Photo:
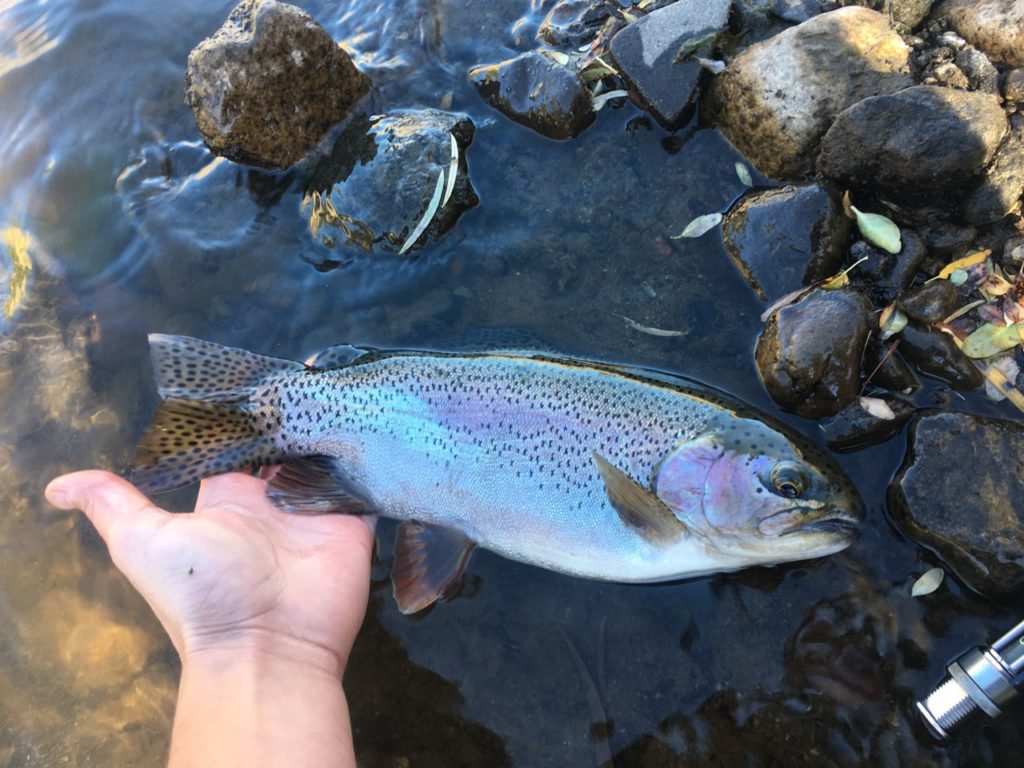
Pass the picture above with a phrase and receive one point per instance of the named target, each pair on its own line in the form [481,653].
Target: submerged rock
[924,140]
[269,83]
[382,174]
[960,494]
[655,55]
[994,26]
[782,239]
[997,192]
[536,91]
[934,353]
[777,98]
[854,428]
[574,22]
[809,353]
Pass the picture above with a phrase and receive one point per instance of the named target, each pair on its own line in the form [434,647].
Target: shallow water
[133,227]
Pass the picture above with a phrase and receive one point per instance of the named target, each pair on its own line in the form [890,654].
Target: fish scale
[580,467]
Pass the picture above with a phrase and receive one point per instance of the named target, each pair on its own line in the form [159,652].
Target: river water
[131,226]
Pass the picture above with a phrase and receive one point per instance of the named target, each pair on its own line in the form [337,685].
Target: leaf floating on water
[744,175]
[432,207]
[699,226]
[604,98]
[17,242]
[714,66]
[878,408]
[989,340]
[928,583]
[969,260]
[879,230]
[648,329]
[453,169]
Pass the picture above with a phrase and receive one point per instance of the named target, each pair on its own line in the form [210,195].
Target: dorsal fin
[193,369]
[638,507]
[429,563]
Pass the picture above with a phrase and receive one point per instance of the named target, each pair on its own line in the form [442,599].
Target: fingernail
[57,495]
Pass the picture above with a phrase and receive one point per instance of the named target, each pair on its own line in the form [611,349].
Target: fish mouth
[839,523]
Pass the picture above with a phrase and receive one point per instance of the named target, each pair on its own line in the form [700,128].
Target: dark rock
[934,353]
[799,11]
[885,367]
[853,427]
[777,98]
[536,91]
[946,240]
[998,191]
[574,22]
[923,140]
[1013,86]
[377,183]
[981,74]
[883,276]
[930,303]
[960,493]
[809,353]
[994,26]
[646,54]
[269,83]
[782,239]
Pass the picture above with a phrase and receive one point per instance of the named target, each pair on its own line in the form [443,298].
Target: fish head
[757,496]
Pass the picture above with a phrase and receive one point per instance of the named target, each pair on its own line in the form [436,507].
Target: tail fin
[190,439]
[193,369]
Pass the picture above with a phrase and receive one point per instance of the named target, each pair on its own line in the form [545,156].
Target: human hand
[237,575]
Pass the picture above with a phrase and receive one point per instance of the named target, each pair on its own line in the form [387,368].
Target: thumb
[104,498]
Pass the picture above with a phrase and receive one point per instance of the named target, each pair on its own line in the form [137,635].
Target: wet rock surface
[536,91]
[921,141]
[931,302]
[809,354]
[381,176]
[574,22]
[777,98]
[889,273]
[651,54]
[994,26]
[266,87]
[784,238]
[887,368]
[854,428]
[934,353]
[960,494]
[999,190]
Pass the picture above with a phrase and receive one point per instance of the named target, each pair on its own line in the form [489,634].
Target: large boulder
[776,99]
[654,55]
[809,353]
[269,83]
[960,493]
[994,26]
[784,238]
[995,194]
[536,91]
[382,175]
[924,140]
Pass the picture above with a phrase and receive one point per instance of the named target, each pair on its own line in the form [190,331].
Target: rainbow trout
[589,469]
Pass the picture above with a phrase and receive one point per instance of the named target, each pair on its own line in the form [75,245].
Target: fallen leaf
[784,301]
[453,169]
[893,324]
[963,310]
[650,331]
[928,583]
[744,175]
[878,230]
[988,340]
[958,277]
[561,58]
[999,380]
[967,261]
[1007,367]
[600,101]
[714,66]
[432,207]
[847,205]
[878,408]
[700,226]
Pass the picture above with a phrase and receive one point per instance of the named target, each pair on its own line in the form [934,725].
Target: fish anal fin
[429,563]
[314,485]
[638,507]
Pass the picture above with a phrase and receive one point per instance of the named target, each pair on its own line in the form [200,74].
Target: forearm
[249,707]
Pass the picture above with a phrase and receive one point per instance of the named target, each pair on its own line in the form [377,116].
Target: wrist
[260,652]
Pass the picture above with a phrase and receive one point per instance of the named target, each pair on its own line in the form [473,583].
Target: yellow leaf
[967,261]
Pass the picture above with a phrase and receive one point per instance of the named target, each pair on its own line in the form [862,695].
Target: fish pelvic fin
[313,485]
[193,369]
[429,563]
[189,440]
[638,507]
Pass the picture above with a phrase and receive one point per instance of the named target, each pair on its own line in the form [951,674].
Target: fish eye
[789,480]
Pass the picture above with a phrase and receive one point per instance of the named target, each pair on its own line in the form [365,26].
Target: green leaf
[989,340]
[700,225]
[958,276]
[878,230]
[928,583]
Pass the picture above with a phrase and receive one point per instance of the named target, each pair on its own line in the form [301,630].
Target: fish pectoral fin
[429,563]
[314,485]
[638,507]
